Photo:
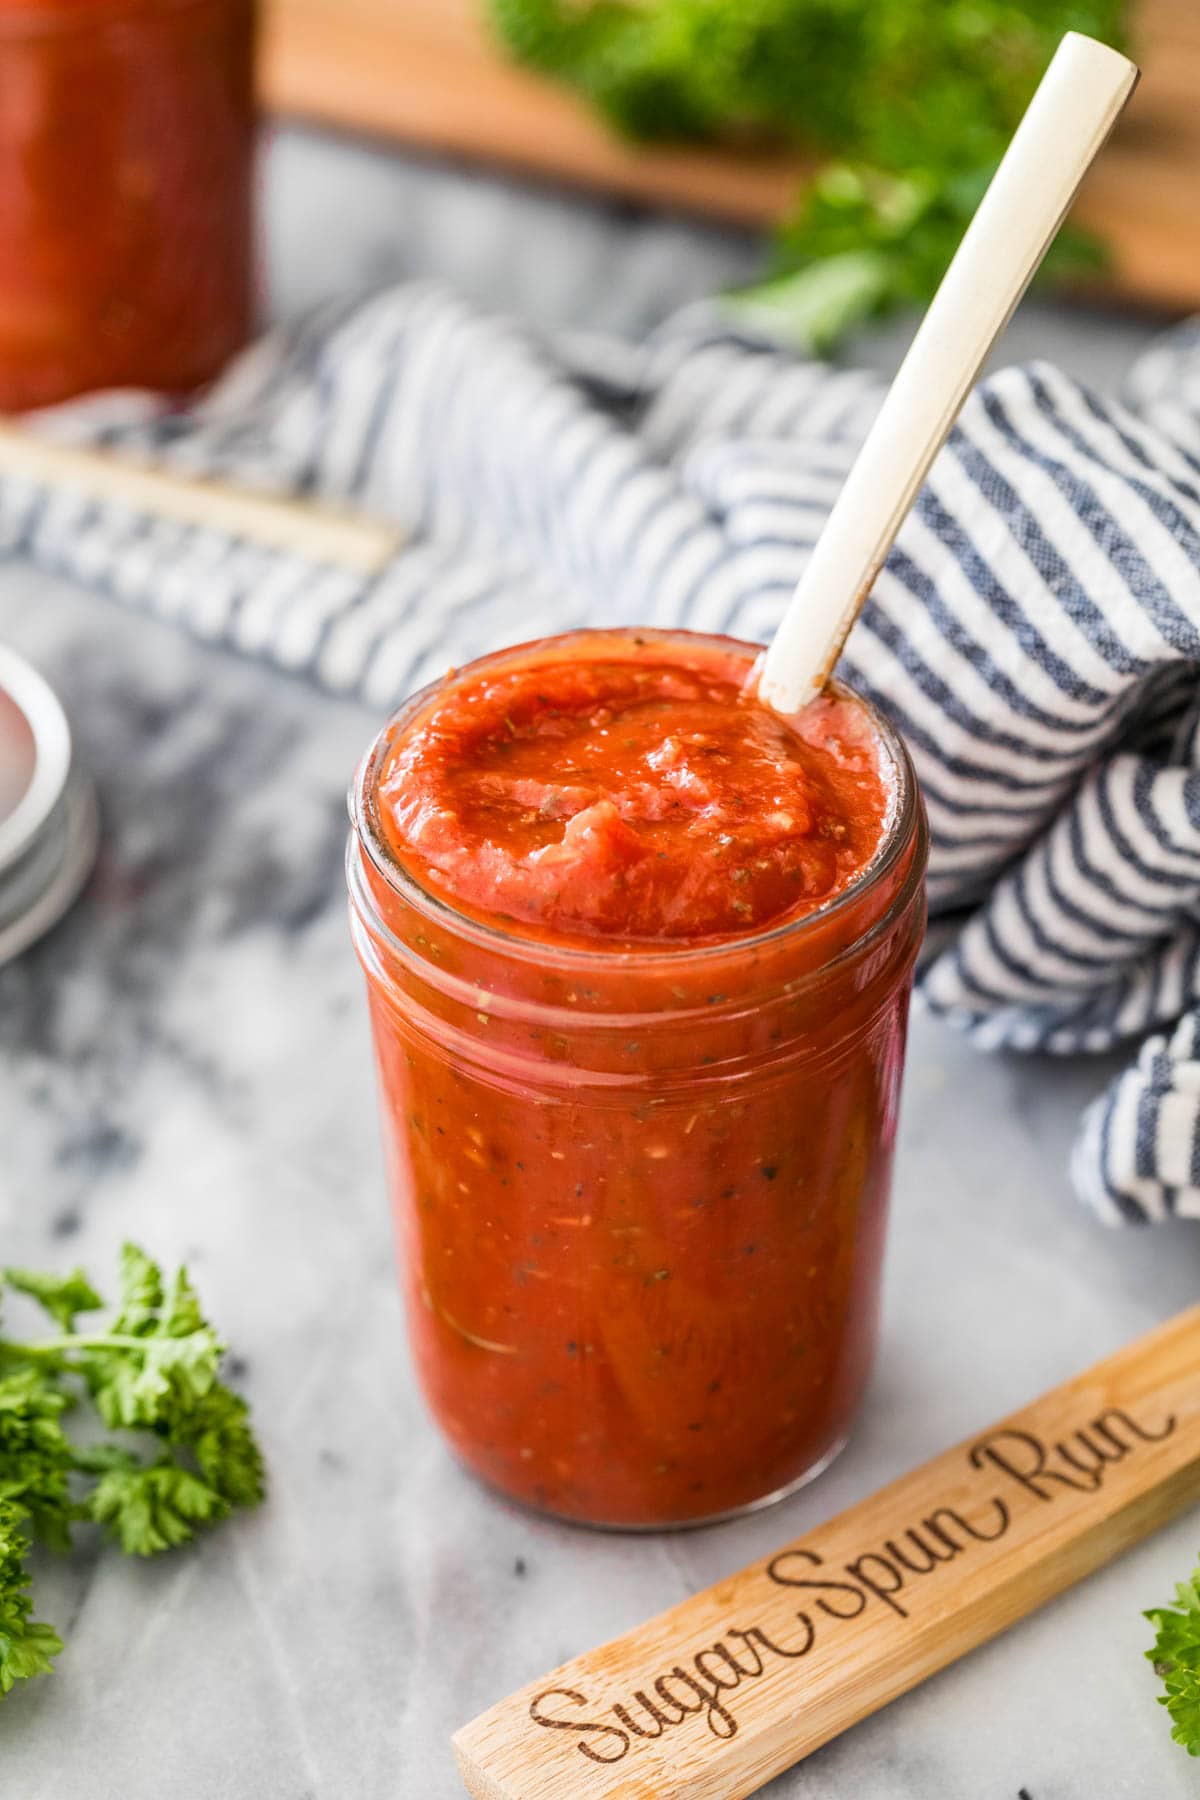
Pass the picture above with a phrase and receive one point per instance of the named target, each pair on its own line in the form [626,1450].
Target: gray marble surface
[186,1060]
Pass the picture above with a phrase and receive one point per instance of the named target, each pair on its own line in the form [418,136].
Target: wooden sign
[723,1692]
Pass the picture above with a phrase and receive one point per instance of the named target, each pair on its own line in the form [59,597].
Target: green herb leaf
[159,1356]
[217,1432]
[1176,1658]
[907,106]
[64,1297]
[142,1383]
[35,1454]
[141,1290]
[154,1508]
[812,307]
[27,1648]
[183,1458]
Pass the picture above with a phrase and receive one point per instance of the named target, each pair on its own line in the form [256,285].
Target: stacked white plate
[48,817]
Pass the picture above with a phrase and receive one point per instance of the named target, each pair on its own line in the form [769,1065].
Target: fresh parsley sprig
[184,1455]
[26,1647]
[908,106]
[1175,1654]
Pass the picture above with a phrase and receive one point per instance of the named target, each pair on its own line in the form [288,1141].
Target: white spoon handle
[1070,116]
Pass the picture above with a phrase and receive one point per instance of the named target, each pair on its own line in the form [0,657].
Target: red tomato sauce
[638,956]
[634,798]
[126,196]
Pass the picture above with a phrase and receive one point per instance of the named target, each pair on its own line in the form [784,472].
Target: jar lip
[898,828]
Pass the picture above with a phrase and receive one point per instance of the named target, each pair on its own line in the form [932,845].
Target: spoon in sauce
[1076,105]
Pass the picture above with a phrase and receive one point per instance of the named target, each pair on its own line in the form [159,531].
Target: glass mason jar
[126,146]
[640,1195]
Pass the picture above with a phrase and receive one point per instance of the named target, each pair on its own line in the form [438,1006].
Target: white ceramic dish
[49,825]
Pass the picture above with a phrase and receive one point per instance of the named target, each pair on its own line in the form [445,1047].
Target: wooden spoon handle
[1070,116]
[299,528]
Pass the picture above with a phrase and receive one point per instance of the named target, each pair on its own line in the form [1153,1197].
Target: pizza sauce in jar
[638,955]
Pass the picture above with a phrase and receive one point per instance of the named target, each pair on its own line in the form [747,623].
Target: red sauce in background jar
[126,145]
[638,957]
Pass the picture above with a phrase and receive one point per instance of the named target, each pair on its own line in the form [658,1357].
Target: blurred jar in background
[126,146]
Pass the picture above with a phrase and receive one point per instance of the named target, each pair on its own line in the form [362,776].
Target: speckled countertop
[186,1060]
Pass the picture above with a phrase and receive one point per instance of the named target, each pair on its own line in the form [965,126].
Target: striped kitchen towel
[1035,634]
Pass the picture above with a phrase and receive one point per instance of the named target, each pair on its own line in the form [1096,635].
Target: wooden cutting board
[424,72]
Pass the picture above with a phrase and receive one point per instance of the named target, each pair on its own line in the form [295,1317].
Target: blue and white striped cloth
[1035,634]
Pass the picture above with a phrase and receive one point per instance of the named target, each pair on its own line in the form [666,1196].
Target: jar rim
[902,816]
